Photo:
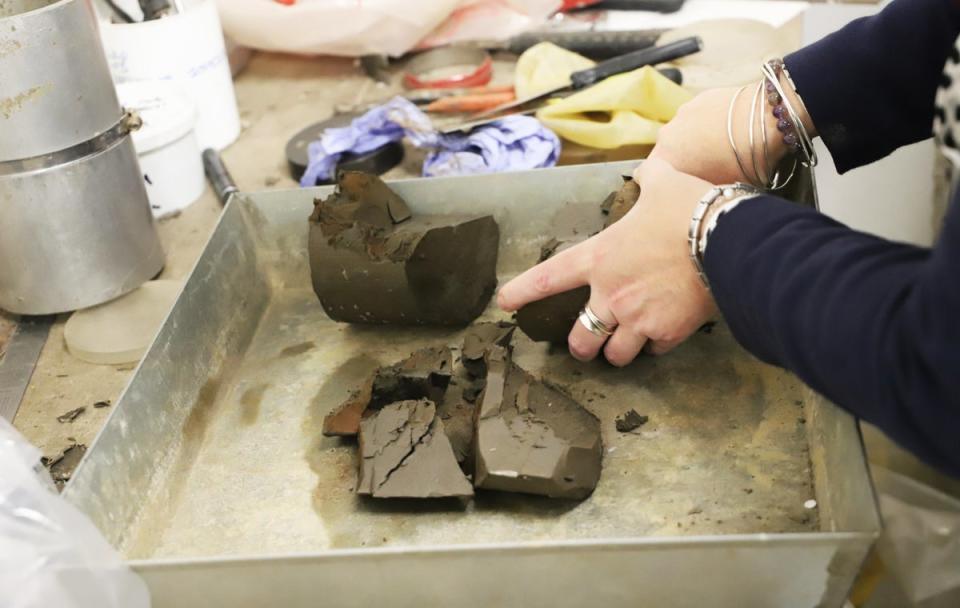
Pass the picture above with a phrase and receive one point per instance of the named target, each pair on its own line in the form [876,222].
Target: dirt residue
[10,105]
[195,426]
[9,47]
[250,404]
[297,349]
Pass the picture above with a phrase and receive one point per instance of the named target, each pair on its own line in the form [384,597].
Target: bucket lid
[167,113]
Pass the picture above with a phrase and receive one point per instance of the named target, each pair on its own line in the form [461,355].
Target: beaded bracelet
[760,179]
[789,123]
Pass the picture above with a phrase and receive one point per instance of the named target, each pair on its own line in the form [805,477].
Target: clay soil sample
[552,318]
[620,202]
[425,425]
[423,375]
[404,452]
[457,410]
[478,341]
[532,438]
[373,262]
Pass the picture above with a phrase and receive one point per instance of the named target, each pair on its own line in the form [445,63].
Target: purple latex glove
[511,144]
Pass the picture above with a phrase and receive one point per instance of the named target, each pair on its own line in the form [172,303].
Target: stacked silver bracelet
[761,173]
[696,238]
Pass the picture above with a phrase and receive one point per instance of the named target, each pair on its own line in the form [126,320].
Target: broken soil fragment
[423,375]
[620,202]
[71,415]
[62,466]
[630,420]
[478,341]
[426,426]
[373,262]
[457,415]
[533,438]
[405,453]
[552,318]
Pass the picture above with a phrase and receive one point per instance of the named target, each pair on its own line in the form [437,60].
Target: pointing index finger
[564,271]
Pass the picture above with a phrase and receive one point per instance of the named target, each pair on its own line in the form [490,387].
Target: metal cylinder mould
[75,224]
[55,85]
[77,234]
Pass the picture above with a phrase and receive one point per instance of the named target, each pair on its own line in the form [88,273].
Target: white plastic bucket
[187,49]
[166,144]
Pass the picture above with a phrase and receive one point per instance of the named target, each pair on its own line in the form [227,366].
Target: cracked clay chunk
[373,262]
[478,341]
[620,202]
[404,452]
[425,374]
[552,318]
[533,438]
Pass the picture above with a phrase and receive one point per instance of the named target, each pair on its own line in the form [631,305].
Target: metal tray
[212,477]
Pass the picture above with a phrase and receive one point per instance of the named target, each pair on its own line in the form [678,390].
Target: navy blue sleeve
[872,325]
[870,87]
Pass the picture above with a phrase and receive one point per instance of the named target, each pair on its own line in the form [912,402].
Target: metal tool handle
[220,179]
[598,45]
[636,59]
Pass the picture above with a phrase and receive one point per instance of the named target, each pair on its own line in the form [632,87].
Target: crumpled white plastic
[920,544]
[50,553]
[353,28]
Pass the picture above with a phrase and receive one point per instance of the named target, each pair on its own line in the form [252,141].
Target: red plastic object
[477,78]
[569,5]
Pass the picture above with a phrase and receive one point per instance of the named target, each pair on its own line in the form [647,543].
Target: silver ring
[594,324]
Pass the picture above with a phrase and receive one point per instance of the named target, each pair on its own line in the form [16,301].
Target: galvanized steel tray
[212,476]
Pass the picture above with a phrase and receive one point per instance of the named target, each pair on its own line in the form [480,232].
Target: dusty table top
[278,96]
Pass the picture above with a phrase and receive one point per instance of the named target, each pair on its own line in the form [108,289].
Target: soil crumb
[69,417]
[630,420]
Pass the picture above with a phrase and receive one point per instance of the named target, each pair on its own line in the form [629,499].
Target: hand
[639,271]
[696,141]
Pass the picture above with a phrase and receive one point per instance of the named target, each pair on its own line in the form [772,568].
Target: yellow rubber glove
[626,109]
[546,66]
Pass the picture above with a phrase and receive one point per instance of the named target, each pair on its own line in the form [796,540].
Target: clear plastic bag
[920,544]
[392,27]
[50,553]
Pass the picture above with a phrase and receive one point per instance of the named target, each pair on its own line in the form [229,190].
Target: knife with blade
[617,65]
[595,44]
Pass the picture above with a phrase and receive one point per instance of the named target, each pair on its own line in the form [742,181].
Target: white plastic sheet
[358,27]
[50,553]
[920,544]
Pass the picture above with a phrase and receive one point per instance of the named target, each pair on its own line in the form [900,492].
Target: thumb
[650,171]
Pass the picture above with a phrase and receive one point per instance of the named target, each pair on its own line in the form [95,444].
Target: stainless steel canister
[55,86]
[75,224]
